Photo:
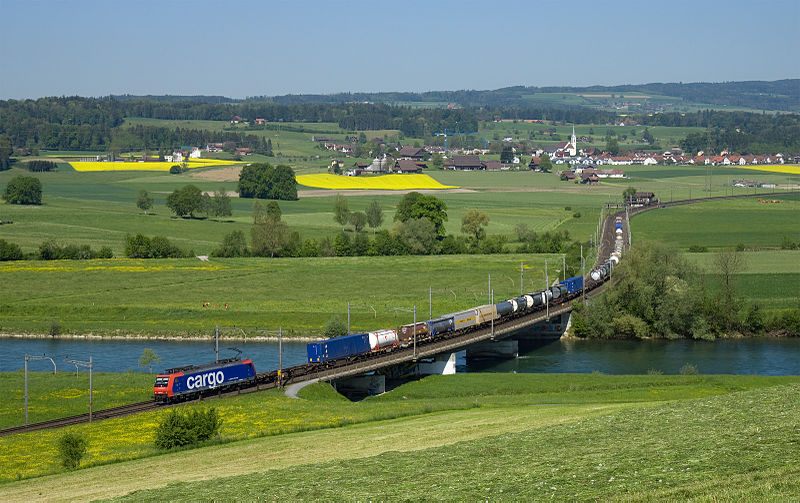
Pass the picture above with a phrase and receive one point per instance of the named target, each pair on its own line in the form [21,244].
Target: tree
[23,190]
[473,222]
[628,194]
[506,155]
[414,206]
[341,213]
[144,202]
[268,234]
[262,181]
[544,163]
[273,210]
[646,136]
[729,263]
[5,152]
[612,146]
[403,212]
[221,204]
[437,162]
[374,215]
[358,219]
[418,235]
[148,358]
[184,202]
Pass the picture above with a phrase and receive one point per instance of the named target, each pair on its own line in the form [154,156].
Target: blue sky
[250,48]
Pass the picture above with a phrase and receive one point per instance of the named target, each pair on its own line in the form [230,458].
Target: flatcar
[192,381]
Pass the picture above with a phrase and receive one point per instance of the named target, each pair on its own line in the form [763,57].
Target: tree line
[659,293]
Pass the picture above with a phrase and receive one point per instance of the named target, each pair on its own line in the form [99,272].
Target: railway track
[366,363]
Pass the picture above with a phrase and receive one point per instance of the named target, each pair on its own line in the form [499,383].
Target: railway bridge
[443,350]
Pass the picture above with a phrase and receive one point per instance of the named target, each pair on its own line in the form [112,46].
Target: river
[764,356]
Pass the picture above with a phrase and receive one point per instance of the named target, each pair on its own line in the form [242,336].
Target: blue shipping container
[338,347]
[213,376]
[574,284]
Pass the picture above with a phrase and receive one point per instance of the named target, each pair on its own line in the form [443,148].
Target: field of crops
[791,169]
[384,182]
[84,166]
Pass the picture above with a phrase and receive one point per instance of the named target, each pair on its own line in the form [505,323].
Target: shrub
[335,328]
[698,249]
[55,328]
[38,166]
[689,370]
[71,448]
[740,247]
[9,251]
[233,244]
[140,246]
[23,190]
[177,429]
[175,169]
[577,214]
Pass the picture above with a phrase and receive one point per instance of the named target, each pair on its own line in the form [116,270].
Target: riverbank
[139,337]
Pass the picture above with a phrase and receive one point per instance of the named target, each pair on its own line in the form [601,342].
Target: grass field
[723,224]
[123,296]
[589,436]
[51,396]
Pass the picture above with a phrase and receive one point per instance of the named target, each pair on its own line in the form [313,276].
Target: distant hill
[780,95]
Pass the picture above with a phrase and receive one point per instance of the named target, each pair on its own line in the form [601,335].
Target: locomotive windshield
[161,381]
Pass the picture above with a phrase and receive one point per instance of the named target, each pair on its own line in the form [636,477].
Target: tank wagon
[194,381]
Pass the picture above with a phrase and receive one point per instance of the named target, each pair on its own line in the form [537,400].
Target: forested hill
[779,95]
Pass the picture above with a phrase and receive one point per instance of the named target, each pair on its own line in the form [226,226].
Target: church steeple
[572,138]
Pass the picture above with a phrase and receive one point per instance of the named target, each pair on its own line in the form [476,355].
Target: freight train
[194,381]
[352,345]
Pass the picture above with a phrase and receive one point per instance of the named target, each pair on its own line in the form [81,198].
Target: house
[568,175]
[236,119]
[261,122]
[534,164]
[407,166]
[213,147]
[177,156]
[243,151]
[589,178]
[414,153]
[195,153]
[320,138]
[492,165]
[464,163]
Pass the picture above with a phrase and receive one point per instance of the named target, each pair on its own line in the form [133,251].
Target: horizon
[97,49]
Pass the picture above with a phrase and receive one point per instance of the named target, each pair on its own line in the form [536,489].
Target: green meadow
[51,396]
[500,436]
[166,296]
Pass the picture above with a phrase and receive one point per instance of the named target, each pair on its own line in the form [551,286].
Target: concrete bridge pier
[554,327]
[507,348]
[363,385]
[444,364]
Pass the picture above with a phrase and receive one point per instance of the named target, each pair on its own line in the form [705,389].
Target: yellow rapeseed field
[385,182]
[143,166]
[775,168]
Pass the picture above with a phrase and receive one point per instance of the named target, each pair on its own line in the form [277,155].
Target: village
[580,165]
